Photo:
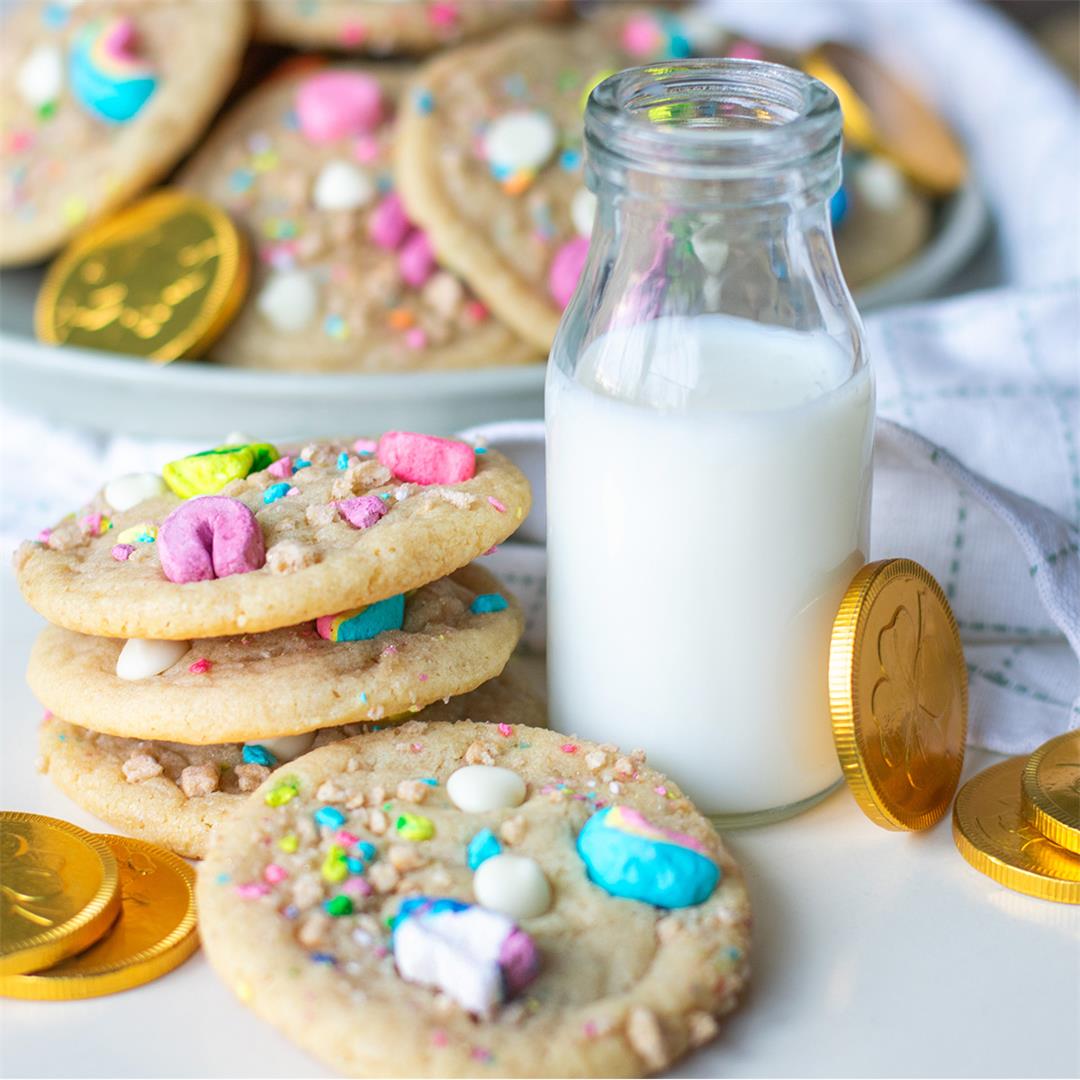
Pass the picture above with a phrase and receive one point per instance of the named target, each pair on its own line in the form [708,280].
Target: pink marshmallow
[388,226]
[282,468]
[566,269]
[122,552]
[362,512]
[426,459]
[335,104]
[209,537]
[416,260]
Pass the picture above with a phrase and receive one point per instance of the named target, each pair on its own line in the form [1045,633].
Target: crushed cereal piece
[702,1027]
[624,767]
[313,930]
[377,822]
[646,1037]
[513,829]
[384,877]
[249,776]
[318,514]
[405,857]
[329,792]
[287,556]
[595,759]
[198,780]
[479,753]
[414,791]
[140,767]
[307,890]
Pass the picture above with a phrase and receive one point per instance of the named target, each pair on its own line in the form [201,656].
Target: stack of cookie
[251,602]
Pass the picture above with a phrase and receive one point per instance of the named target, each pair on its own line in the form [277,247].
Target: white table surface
[875,954]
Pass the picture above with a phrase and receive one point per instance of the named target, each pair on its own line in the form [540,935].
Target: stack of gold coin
[87,915]
[1018,822]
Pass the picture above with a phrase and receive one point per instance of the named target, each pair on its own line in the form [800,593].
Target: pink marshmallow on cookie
[388,226]
[363,511]
[426,459]
[335,104]
[209,537]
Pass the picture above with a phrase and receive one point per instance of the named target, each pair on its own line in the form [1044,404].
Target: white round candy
[342,186]
[879,183]
[124,492]
[583,210]
[524,139]
[476,788]
[140,658]
[288,300]
[710,246]
[40,77]
[512,884]
[287,747]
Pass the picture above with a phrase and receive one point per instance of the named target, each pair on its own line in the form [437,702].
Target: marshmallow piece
[342,186]
[416,260]
[208,537]
[287,747]
[363,511]
[566,269]
[426,459]
[520,140]
[140,657]
[583,211]
[879,183]
[335,104]
[513,885]
[124,492]
[477,788]
[362,624]
[710,247]
[40,77]
[388,226]
[288,300]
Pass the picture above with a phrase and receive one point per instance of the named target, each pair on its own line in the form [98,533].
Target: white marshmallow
[286,747]
[288,300]
[523,139]
[710,247]
[124,492]
[140,658]
[40,77]
[342,186]
[512,884]
[879,183]
[476,788]
[583,210]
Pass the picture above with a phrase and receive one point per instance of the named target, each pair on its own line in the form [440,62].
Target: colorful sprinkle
[200,666]
[500,506]
[338,906]
[569,748]
[343,460]
[283,793]
[299,464]
[289,843]
[275,874]
[254,754]
[335,869]
[424,101]
[506,730]
[482,846]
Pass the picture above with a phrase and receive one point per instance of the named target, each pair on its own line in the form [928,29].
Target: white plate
[105,391]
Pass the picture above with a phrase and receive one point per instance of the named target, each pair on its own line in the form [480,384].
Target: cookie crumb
[461,499]
[66,537]
[513,829]
[287,556]
[198,780]
[314,929]
[414,791]
[624,767]
[383,877]
[249,776]
[479,753]
[377,822]
[643,1032]
[701,1028]
[595,759]
[318,514]
[329,792]
[141,767]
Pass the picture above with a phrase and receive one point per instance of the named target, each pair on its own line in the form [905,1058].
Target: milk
[699,547]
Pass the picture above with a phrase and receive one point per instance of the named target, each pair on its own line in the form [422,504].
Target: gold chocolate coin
[884,115]
[991,833]
[59,891]
[898,695]
[161,279]
[154,933]
[1050,790]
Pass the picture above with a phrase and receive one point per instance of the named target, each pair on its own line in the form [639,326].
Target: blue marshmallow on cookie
[628,856]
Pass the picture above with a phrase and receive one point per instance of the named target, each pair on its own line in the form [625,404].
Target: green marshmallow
[208,472]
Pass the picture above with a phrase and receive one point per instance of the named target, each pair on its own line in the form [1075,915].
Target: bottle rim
[716,119]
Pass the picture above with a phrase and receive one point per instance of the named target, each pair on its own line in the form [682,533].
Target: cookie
[489,154]
[282,682]
[99,100]
[885,223]
[380,28]
[578,917]
[316,532]
[342,280]
[175,794]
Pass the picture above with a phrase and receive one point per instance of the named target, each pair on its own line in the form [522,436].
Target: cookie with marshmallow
[473,898]
[342,279]
[176,793]
[98,101]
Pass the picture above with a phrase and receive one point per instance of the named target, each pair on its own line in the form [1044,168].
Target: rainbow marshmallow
[362,624]
[106,76]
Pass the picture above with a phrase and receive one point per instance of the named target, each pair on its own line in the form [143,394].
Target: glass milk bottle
[710,413]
